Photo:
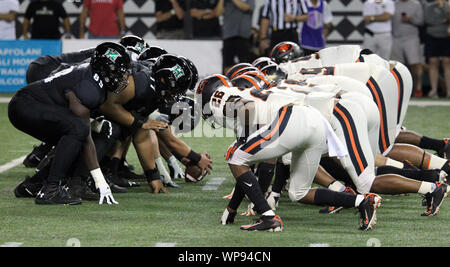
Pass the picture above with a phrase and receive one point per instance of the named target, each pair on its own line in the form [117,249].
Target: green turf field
[189,215]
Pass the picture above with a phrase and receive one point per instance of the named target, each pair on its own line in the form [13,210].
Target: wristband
[152,175]
[177,155]
[98,177]
[138,121]
[172,11]
[193,157]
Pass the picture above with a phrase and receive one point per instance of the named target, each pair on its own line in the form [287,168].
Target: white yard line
[11,164]
[165,245]
[429,103]
[213,184]
[11,244]
[5,99]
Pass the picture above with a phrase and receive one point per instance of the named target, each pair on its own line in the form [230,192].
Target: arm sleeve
[417,18]
[14,6]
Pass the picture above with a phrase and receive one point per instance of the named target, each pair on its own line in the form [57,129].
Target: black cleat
[27,188]
[120,181]
[265,223]
[128,174]
[114,188]
[368,210]
[52,194]
[78,188]
[435,199]
[445,151]
[38,153]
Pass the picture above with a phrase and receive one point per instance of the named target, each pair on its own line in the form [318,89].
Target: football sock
[436,162]
[326,197]
[236,199]
[336,186]
[419,175]
[430,143]
[394,163]
[282,174]
[265,174]
[426,187]
[249,185]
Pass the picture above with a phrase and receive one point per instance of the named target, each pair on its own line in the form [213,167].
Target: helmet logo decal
[112,54]
[201,86]
[177,71]
[285,47]
[139,47]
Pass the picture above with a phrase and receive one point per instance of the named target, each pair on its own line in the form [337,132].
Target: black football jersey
[48,64]
[146,98]
[79,79]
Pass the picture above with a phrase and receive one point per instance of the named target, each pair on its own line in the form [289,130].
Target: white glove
[177,171]
[103,187]
[105,193]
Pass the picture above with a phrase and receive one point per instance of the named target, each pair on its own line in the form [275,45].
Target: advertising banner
[15,56]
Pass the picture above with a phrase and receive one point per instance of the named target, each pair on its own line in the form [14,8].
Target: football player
[57,110]
[280,116]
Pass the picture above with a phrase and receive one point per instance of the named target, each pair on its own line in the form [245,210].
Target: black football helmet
[205,90]
[112,64]
[194,72]
[285,51]
[236,68]
[242,72]
[246,81]
[274,73]
[261,62]
[172,76]
[152,53]
[134,43]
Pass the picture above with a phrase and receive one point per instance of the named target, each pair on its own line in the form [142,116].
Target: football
[193,174]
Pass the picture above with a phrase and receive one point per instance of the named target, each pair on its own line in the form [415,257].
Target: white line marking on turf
[429,103]
[13,163]
[165,245]
[319,245]
[213,184]
[11,245]
[5,99]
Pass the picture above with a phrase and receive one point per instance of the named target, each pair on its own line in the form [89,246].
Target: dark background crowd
[414,32]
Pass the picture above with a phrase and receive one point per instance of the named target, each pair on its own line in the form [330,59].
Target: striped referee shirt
[274,10]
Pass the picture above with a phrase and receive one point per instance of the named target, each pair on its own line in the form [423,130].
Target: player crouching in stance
[57,110]
[280,118]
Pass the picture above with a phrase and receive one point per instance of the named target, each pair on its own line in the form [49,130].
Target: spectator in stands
[104,15]
[8,12]
[282,18]
[317,27]
[406,48]
[377,18]
[45,16]
[205,19]
[236,31]
[437,43]
[169,18]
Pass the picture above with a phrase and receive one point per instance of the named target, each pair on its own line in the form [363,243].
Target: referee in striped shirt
[281,18]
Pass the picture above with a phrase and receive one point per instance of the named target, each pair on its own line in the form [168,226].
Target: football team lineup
[326,130]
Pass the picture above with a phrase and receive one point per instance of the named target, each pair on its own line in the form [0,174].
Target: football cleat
[368,210]
[445,151]
[52,194]
[120,181]
[272,200]
[27,188]
[78,188]
[38,153]
[228,217]
[333,209]
[265,223]
[250,211]
[229,196]
[435,199]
